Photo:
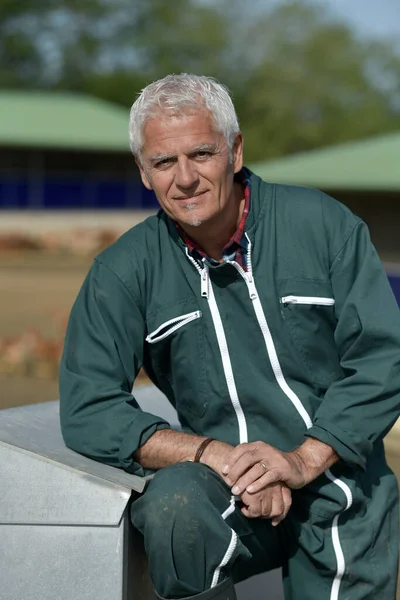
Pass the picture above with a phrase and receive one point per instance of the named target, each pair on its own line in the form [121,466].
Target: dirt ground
[34,286]
[34,292]
[33,289]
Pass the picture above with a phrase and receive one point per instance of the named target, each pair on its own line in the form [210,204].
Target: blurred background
[317,89]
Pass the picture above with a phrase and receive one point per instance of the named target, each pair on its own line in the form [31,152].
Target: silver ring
[264,465]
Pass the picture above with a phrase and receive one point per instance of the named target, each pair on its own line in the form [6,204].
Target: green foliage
[317,85]
[299,78]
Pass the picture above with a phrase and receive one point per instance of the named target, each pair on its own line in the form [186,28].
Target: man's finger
[250,476]
[252,508]
[234,456]
[249,513]
[277,506]
[258,449]
[286,498]
[269,477]
[245,462]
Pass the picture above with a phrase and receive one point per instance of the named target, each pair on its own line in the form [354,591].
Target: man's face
[188,166]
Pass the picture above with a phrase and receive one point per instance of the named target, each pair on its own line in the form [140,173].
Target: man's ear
[237,152]
[143,175]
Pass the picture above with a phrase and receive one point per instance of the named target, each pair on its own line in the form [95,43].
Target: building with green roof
[364,174]
[64,150]
[62,121]
[364,165]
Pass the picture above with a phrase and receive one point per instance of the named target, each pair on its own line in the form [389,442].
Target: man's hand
[252,467]
[273,502]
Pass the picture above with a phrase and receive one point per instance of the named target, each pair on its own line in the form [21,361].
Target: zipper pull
[204,282]
[251,287]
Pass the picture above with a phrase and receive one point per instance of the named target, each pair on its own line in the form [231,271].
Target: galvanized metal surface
[40,491]
[35,428]
[61,563]
[65,531]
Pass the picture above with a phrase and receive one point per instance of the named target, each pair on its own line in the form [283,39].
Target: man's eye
[163,163]
[203,154]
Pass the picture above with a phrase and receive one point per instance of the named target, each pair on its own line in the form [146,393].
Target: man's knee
[182,518]
[188,475]
[176,494]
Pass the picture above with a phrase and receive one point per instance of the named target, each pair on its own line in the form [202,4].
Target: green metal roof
[62,120]
[370,164]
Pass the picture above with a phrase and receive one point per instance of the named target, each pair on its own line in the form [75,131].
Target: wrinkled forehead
[167,127]
[166,114]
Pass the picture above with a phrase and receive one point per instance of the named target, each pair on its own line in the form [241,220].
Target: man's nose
[186,175]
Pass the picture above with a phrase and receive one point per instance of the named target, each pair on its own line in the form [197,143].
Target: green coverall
[305,343]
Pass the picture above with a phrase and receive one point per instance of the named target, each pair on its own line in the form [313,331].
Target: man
[263,313]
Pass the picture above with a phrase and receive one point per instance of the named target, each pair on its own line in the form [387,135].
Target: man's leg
[195,537]
[352,555]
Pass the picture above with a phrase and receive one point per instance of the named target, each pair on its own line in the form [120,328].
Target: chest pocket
[308,312]
[175,345]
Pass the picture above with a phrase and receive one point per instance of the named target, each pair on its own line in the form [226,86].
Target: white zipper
[340,560]
[227,557]
[227,365]
[318,301]
[269,343]
[173,325]
[273,357]
[204,283]
[208,292]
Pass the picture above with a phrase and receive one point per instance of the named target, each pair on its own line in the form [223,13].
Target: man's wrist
[214,455]
[312,458]
[196,450]
[202,447]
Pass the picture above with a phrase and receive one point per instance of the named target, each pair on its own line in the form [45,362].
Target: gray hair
[177,93]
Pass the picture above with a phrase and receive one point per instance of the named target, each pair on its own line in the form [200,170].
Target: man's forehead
[169,120]
[167,131]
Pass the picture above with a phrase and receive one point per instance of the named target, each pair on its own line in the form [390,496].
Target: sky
[370,17]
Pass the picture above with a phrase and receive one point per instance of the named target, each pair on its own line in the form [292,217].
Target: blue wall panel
[74,193]
[394,280]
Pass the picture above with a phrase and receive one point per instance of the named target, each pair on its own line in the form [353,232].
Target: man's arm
[360,408]
[102,356]
[167,447]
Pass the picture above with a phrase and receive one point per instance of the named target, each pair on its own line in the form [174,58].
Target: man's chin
[195,222]
[191,218]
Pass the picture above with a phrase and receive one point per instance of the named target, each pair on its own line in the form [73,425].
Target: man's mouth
[189,199]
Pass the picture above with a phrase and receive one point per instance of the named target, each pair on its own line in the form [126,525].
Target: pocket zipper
[173,325]
[308,300]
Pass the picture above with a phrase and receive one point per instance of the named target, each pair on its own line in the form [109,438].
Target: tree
[300,79]
[161,38]
[316,84]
